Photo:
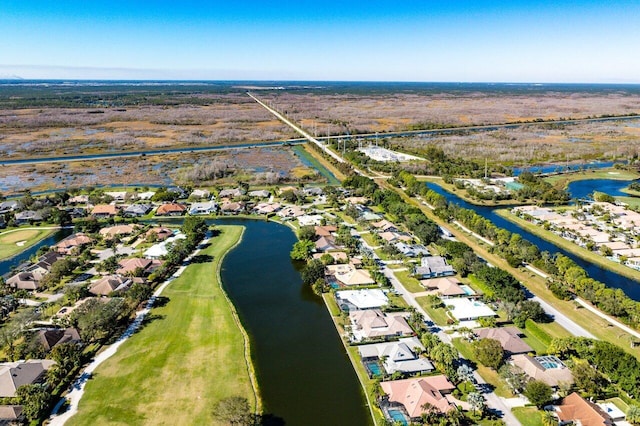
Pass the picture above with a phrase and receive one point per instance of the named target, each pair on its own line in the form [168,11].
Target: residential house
[444,286]
[262,193]
[369,298]
[326,244]
[25,281]
[200,193]
[102,211]
[313,191]
[434,266]
[28,216]
[231,193]
[179,192]
[160,233]
[19,373]
[310,220]
[159,250]
[548,369]
[67,245]
[338,256]
[411,250]
[232,207]
[109,284]
[130,267]
[209,207]
[509,338]
[76,212]
[394,237]
[373,324]
[348,275]
[326,230]
[11,415]
[118,196]
[419,395]
[577,410]
[78,199]
[56,336]
[137,210]
[146,195]
[385,226]
[10,206]
[464,309]
[171,209]
[267,208]
[118,230]
[402,356]
[290,211]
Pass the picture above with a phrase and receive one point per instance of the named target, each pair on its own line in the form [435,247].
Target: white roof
[160,249]
[306,220]
[463,309]
[364,299]
[146,195]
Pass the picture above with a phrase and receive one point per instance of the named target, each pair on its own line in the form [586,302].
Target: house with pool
[373,324]
[465,309]
[406,400]
[369,298]
[403,356]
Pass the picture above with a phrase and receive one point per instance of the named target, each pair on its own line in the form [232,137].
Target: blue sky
[510,41]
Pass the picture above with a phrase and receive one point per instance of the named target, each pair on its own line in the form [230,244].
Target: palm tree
[549,418]
[476,400]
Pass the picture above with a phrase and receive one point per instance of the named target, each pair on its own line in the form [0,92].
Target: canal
[7,264]
[303,371]
[611,279]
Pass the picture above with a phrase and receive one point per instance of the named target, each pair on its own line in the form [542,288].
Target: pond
[303,371]
[584,188]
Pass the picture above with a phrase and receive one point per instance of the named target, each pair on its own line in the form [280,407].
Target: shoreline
[245,336]
[51,229]
[583,253]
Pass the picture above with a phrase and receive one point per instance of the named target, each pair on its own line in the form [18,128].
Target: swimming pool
[374,368]
[467,290]
[398,416]
[549,361]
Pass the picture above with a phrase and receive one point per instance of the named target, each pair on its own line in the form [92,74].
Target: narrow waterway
[7,264]
[611,279]
[304,374]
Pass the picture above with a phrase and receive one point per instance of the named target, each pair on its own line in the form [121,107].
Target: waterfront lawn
[528,416]
[409,282]
[438,315]
[490,376]
[188,356]
[26,237]
[563,180]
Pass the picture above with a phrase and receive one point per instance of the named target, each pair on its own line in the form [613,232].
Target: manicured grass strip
[528,416]
[490,376]
[409,282]
[366,383]
[439,315]
[321,166]
[585,254]
[610,173]
[26,238]
[189,355]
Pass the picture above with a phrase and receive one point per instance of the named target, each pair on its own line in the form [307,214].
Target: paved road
[494,402]
[563,320]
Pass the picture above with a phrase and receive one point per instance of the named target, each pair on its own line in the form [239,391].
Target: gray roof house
[434,266]
[15,374]
[28,216]
[138,210]
[401,356]
[262,193]
[231,193]
[9,206]
[208,207]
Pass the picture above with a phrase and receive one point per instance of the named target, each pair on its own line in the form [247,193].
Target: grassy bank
[189,355]
[304,152]
[15,241]
[366,383]
[585,254]
[561,181]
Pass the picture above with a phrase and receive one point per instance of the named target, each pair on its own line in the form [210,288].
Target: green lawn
[490,376]
[16,241]
[190,355]
[528,416]
[610,173]
[439,315]
[409,282]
